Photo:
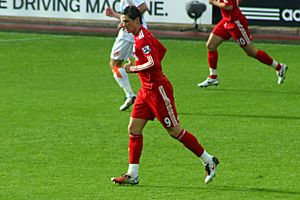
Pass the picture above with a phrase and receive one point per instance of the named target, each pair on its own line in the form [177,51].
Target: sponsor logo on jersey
[146,49]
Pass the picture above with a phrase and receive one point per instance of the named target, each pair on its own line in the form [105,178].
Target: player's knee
[113,63]
[174,132]
[250,50]
[251,54]
[133,129]
[210,46]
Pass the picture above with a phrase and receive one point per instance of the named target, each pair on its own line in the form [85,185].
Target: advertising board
[165,11]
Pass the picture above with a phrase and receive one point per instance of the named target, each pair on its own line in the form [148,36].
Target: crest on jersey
[146,49]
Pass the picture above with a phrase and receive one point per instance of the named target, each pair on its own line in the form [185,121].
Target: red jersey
[148,53]
[234,14]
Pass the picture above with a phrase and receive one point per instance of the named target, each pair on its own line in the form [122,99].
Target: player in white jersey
[123,49]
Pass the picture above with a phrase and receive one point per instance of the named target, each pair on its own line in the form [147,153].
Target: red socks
[135,147]
[190,142]
[264,57]
[261,56]
[212,59]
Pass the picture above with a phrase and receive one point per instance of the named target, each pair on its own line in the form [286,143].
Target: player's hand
[128,65]
[120,25]
[211,1]
[109,12]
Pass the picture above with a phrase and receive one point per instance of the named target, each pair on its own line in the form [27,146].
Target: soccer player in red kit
[155,99]
[234,24]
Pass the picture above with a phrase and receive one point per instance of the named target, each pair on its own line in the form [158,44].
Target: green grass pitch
[62,136]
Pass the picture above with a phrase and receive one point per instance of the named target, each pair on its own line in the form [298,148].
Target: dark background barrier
[268,13]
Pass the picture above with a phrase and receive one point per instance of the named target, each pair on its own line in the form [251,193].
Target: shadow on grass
[243,116]
[223,188]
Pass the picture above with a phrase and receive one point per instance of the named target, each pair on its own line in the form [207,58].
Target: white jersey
[123,34]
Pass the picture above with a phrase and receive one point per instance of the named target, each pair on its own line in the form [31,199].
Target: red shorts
[237,29]
[157,102]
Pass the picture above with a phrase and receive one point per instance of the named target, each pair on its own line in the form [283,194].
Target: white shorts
[121,50]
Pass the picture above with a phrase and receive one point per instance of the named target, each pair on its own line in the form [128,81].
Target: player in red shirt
[155,99]
[234,24]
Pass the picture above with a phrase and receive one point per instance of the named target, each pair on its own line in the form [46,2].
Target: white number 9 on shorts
[167,121]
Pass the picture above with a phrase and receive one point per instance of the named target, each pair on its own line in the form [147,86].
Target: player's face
[129,24]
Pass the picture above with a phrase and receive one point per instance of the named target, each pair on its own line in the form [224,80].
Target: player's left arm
[148,51]
[226,5]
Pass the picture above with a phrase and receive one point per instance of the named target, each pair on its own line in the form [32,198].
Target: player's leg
[121,51]
[165,111]
[212,54]
[191,143]
[243,37]
[135,146]
[140,115]
[218,35]
[263,57]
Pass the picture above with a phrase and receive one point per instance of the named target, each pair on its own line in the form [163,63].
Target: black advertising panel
[268,13]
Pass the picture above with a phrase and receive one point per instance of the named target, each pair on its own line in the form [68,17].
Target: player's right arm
[111,13]
[143,8]
[226,5]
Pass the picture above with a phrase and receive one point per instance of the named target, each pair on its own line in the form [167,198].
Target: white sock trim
[274,64]
[206,158]
[133,169]
[213,71]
